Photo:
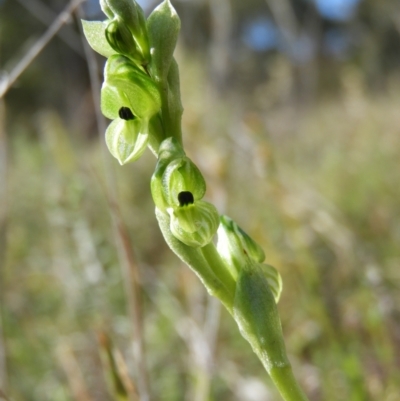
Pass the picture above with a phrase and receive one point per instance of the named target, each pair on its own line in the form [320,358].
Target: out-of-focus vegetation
[304,152]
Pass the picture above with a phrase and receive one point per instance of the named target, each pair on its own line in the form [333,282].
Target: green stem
[163,88]
[286,383]
[195,259]
[171,119]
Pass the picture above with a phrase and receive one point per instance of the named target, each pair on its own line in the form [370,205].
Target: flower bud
[235,246]
[120,39]
[126,85]
[132,16]
[127,137]
[193,223]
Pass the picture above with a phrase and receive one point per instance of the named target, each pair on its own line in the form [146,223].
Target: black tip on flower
[185,198]
[125,113]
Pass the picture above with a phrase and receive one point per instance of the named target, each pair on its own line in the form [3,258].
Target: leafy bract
[163,27]
[95,35]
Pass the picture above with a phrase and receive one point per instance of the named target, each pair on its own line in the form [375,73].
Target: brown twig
[73,372]
[46,15]
[35,50]
[3,397]
[3,234]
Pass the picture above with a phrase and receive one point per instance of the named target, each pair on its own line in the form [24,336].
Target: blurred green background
[292,112]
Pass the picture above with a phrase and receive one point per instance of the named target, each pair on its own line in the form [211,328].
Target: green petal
[195,225]
[127,140]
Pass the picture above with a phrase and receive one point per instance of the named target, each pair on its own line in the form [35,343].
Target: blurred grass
[317,186]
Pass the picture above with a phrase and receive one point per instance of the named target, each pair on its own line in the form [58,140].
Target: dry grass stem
[7,82]
[3,234]
[73,373]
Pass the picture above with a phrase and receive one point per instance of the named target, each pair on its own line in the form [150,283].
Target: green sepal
[106,9]
[274,280]
[120,39]
[182,175]
[169,150]
[163,27]
[127,140]
[195,224]
[95,35]
[132,15]
[256,314]
[126,85]
[235,246]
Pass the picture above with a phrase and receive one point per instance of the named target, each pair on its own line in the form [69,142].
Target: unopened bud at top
[132,16]
[120,39]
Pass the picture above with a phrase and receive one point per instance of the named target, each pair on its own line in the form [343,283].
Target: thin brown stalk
[3,397]
[3,235]
[124,374]
[210,332]
[46,15]
[73,373]
[285,19]
[222,22]
[199,339]
[126,254]
[39,45]
[116,370]
[132,288]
